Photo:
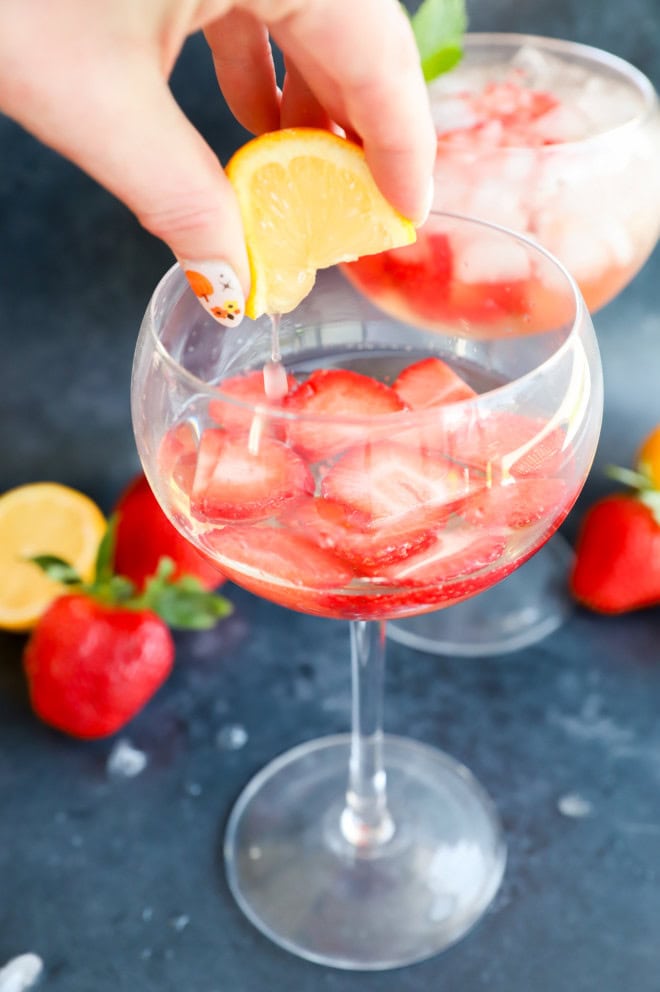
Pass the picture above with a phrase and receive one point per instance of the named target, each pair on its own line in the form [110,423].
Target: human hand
[89,78]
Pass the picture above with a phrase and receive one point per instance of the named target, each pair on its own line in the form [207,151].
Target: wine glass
[561,142]
[343,499]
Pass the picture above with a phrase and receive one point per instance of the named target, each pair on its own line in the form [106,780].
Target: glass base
[521,610]
[306,888]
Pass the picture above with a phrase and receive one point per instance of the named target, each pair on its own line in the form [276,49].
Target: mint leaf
[439,26]
[57,569]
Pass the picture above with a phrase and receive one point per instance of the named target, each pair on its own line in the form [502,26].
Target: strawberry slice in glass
[365,544]
[279,565]
[430,382]
[234,482]
[247,389]
[397,487]
[336,393]
[456,553]
[519,503]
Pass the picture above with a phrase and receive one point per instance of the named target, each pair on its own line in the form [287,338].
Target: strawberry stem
[628,477]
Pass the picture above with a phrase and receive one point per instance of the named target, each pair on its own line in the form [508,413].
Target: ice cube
[20,973]
[452,113]
[487,260]
[574,805]
[125,761]
[231,737]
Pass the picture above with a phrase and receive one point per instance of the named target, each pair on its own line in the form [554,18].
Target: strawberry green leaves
[181,603]
[439,26]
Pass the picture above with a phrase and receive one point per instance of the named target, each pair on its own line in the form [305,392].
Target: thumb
[126,130]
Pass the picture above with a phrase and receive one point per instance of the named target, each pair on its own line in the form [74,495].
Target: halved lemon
[308,201]
[38,519]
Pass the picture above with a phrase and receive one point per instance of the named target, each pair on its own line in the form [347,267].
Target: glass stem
[365,821]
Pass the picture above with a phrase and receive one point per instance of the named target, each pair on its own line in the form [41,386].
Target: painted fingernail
[216,286]
[428,204]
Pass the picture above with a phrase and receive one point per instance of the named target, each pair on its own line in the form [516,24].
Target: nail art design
[216,286]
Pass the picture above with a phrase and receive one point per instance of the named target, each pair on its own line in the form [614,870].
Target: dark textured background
[117,884]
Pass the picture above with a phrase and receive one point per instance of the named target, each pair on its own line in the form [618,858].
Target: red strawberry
[418,275]
[92,667]
[337,393]
[145,535]
[248,390]
[488,302]
[617,561]
[388,482]
[98,654]
[234,482]
[281,566]
[350,534]
[519,503]
[176,460]
[430,382]
[455,554]
[509,442]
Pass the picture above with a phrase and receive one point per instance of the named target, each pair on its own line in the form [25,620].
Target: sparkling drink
[555,140]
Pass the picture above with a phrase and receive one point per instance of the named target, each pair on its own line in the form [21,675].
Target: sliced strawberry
[508,442]
[391,483]
[430,382]
[488,302]
[233,483]
[336,393]
[176,460]
[364,544]
[281,566]
[419,274]
[179,440]
[248,390]
[455,554]
[519,503]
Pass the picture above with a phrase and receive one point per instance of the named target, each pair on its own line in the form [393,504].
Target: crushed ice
[126,761]
[231,737]
[574,805]
[20,973]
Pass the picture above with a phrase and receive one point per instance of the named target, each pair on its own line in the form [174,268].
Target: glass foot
[521,610]
[306,888]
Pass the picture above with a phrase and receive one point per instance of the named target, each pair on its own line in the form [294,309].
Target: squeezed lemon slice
[308,201]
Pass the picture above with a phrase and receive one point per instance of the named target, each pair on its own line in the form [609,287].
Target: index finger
[360,60]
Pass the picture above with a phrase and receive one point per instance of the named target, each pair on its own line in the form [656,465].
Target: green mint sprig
[439,26]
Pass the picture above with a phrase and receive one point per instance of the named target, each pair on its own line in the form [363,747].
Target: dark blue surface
[118,884]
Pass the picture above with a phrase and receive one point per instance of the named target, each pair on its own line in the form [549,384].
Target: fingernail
[216,286]
[430,195]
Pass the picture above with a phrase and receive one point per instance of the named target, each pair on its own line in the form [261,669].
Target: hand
[89,78]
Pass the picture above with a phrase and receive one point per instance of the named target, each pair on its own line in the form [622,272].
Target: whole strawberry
[617,562]
[98,654]
[145,535]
